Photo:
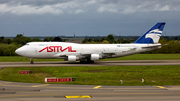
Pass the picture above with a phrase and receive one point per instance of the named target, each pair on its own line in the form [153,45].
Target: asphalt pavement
[14,91]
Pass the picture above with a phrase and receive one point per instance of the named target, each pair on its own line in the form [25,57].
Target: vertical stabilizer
[153,35]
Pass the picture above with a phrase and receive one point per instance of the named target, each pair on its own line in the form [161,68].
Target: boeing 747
[89,53]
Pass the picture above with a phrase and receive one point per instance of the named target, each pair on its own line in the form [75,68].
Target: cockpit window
[27,44]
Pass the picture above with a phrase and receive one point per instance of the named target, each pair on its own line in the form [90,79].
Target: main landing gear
[31,62]
[90,61]
[86,61]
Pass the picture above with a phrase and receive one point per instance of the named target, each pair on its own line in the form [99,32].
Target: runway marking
[161,87]
[83,96]
[97,87]
[40,85]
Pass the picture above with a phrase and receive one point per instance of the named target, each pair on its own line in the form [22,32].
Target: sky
[87,17]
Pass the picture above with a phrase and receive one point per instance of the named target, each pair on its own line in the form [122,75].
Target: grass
[23,59]
[148,57]
[109,75]
[131,57]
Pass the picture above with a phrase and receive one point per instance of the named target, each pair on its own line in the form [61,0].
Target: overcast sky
[87,17]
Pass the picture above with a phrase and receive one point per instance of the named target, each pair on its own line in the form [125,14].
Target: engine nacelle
[94,56]
[71,58]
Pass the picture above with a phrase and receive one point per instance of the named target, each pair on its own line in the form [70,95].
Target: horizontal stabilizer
[156,46]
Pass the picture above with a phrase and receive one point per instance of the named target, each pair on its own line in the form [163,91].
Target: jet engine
[95,56]
[71,58]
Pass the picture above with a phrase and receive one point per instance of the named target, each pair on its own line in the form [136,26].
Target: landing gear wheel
[90,61]
[82,61]
[32,62]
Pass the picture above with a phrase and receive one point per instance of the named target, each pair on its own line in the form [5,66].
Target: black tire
[82,61]
[31,62]
[90,61]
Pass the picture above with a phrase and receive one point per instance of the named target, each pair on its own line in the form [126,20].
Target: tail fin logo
[154,35]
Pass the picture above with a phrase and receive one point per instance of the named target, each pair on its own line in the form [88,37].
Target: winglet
[152,35]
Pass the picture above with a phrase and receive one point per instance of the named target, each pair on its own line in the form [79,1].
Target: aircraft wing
[75,54]
[66,54]
[83,54]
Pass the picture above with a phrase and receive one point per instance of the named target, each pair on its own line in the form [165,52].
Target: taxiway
[14,91]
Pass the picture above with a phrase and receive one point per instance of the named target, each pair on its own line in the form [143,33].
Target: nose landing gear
[31,61]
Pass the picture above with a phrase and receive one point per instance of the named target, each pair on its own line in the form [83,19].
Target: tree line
[8,46]
[108,40]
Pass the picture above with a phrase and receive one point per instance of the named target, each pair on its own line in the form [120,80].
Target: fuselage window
[41,44]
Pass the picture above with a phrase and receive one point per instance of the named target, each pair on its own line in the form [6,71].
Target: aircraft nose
[20,51]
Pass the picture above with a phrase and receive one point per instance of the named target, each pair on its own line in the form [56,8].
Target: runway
[97,63]
[13,91]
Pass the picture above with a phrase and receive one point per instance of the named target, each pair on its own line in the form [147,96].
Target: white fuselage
[62,50]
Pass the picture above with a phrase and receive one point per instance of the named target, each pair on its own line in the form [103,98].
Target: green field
[131,57]
[99,75]
[107,75]
[23,59]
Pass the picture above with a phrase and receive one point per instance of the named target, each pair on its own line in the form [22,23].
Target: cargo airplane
[88,53]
